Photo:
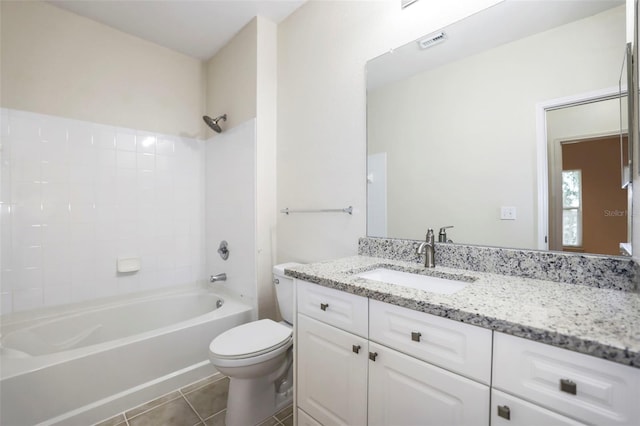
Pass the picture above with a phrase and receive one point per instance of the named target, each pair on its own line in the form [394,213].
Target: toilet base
[253,400]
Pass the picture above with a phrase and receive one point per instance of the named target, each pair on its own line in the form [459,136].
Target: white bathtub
[88,362]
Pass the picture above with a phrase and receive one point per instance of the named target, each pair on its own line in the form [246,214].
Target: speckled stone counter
[613,272]
[600,322]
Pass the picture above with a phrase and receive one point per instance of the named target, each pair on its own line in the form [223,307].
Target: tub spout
[219,277]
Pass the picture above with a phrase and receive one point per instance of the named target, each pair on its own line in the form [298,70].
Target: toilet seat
[250,343]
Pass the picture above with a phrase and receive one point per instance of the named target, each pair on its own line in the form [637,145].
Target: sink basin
[417,281]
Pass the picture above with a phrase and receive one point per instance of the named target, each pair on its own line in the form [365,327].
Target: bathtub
[85,363]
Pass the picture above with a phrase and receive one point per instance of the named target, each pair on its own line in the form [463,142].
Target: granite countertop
[600,322]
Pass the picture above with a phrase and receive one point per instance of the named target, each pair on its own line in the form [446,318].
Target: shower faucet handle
[223,250]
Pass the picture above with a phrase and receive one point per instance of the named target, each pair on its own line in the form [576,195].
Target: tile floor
[202,403]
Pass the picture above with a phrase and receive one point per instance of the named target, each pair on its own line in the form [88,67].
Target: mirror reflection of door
[594,206]
[588,208]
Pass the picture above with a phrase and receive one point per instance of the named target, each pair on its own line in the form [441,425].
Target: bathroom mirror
[456,120]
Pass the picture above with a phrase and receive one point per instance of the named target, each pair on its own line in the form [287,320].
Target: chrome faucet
[219,277]
[428,249]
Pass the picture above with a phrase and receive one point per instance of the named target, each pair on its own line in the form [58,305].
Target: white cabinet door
[508,410]
[332,373]
[407,391]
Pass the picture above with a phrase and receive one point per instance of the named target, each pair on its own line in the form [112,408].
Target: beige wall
[231,79]
[322,51]
[55,62]
[266,113]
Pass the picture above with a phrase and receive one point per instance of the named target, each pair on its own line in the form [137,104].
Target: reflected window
[572,208]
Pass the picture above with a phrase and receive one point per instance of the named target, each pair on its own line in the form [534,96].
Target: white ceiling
[198,28]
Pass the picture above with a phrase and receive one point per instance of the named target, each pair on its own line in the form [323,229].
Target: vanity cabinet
[346,378]
[362,361]
[582,387]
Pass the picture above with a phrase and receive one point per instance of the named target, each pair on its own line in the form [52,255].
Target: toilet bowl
[258,357]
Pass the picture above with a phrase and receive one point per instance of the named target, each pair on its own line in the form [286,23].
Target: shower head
[213,122]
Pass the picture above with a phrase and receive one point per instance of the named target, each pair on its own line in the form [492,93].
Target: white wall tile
[55,171]
[232,155]
[57,295]
[125,140]
[107,158]
[6,303]
[146,142]
[126,159]
[165,146]
[54,130]
[27,278]
[104,137]
[27,298]
[82,195]
[83,213]
[25,169]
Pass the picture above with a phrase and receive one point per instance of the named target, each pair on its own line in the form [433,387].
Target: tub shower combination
[88,362]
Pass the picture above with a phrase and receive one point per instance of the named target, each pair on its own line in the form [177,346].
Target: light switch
[507,213]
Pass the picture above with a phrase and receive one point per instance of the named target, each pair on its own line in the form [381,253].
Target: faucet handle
[442,235]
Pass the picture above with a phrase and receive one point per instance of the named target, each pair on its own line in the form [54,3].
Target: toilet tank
[284,290]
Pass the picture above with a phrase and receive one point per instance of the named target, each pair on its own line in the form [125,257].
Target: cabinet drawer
[580,386]
[508,410]
[343,310]
[462,348]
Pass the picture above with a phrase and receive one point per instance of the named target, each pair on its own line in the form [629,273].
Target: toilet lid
[251,339]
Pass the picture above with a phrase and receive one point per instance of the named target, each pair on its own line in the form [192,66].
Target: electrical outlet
[507,213]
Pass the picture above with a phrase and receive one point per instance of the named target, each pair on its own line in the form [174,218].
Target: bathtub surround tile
[79,177]
[619,273]
[27,298]
[210,398]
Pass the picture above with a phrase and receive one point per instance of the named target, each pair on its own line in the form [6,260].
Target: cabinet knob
[356,348]
[568,386]
[373,356]
[415,336]
[324,306]
[504,412]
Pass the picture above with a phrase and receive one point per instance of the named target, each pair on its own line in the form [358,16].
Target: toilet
[258,357]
